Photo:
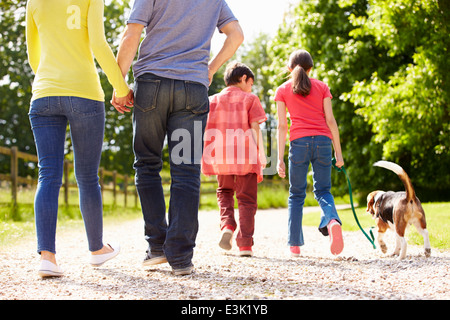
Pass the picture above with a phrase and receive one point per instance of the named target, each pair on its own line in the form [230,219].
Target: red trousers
[246,189]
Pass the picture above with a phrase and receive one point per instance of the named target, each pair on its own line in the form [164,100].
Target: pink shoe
[295,251]
[336,240]
[245,251]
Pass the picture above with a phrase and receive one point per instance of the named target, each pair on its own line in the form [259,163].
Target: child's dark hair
[235,71]
[300,61]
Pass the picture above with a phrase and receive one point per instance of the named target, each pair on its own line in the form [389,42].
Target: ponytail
[299,62]
[300,81]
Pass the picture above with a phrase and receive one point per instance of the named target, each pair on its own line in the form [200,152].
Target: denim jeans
[176,110]
[49,117]
[316,150]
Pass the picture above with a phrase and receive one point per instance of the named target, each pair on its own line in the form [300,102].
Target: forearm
[281,141]
[128,47]
[234,39]
[102,51]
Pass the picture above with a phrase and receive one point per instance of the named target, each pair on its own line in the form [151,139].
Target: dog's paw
[383,248]
[427,252]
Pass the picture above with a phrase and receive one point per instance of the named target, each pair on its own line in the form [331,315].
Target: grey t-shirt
[178,36]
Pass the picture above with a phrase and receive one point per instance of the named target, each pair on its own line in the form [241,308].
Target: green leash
[342,169]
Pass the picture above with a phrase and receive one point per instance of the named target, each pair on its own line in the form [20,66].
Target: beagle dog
[396,211]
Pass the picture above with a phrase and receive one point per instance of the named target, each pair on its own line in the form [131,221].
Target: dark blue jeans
[176,110]
[316,150]
[49,117]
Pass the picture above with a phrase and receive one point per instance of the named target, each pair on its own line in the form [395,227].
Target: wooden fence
[119,184]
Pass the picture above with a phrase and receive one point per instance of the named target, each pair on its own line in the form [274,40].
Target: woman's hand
[123,104]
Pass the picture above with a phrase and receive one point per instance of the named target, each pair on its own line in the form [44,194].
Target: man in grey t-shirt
[172,75]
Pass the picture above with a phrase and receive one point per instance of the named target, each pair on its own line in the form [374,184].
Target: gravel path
[359,273]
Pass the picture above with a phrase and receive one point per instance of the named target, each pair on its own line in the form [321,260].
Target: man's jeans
[316,150]
[49,117]
[176,109]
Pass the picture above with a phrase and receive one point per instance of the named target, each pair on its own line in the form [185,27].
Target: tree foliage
[386,63]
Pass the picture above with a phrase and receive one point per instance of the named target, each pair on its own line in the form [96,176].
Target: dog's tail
[410,193]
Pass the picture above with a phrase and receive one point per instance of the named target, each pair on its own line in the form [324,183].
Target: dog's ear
[370,201]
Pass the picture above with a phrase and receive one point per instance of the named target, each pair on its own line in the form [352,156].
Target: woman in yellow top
[63,36]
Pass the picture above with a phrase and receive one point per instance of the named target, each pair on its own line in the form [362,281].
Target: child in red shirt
[233,151]
[313,132]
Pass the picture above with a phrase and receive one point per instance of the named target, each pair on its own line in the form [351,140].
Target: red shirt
[230,148]
[306,113]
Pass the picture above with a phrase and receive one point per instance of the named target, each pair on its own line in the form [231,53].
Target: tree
[386,63]
[409,111]
[16,79]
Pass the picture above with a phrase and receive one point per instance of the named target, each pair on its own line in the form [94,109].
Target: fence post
[114,176]
[125,190]
[14,175]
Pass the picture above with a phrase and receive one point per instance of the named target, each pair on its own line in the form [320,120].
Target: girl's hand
[281,169]
[339,161]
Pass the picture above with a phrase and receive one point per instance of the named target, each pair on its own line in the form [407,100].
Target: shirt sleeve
[100,47]
[226,16]
[33,41]
[256,112]
[279,94]
[326,92]
[141,12]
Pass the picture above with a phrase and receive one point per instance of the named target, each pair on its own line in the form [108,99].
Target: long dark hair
[300,61]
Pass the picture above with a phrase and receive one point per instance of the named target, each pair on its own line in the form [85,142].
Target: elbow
[282,127]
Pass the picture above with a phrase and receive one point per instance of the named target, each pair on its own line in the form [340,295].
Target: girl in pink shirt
[312,135]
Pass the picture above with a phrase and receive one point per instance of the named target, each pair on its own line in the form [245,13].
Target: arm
[257,135]
[128,46]
[332,124]
[127,51]
[234,38]
[103,52]
[33,42]
[281,137]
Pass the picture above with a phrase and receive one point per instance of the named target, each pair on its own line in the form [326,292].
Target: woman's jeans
[49,117]
[316,150]
[176,110]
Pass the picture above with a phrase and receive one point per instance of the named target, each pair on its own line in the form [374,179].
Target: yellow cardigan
[63,36]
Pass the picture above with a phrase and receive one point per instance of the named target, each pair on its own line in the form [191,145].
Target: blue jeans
[316,150]
[177,110]
[49,117]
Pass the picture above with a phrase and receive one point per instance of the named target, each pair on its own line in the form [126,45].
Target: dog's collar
[377,197]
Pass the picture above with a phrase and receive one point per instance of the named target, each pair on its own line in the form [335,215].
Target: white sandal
[98,259]
[49,269]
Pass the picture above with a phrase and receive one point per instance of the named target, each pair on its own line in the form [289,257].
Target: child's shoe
[336,240]
[245,251]
[295,251]
[227,235]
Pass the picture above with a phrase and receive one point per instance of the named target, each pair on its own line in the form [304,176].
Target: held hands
[123,104]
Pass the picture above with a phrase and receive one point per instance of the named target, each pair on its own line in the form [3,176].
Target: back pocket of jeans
[40,106]
[196,97]
[146,93]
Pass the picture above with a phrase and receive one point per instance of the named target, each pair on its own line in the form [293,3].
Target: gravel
[358,273]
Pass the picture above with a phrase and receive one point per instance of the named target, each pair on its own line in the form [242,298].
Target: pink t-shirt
[229,146]
[306,113]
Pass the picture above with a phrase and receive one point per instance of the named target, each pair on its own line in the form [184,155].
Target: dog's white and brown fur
[396,211]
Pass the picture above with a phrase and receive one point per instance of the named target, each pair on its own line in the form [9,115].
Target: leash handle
[342,169]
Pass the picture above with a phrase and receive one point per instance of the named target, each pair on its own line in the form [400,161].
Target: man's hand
[123,104]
